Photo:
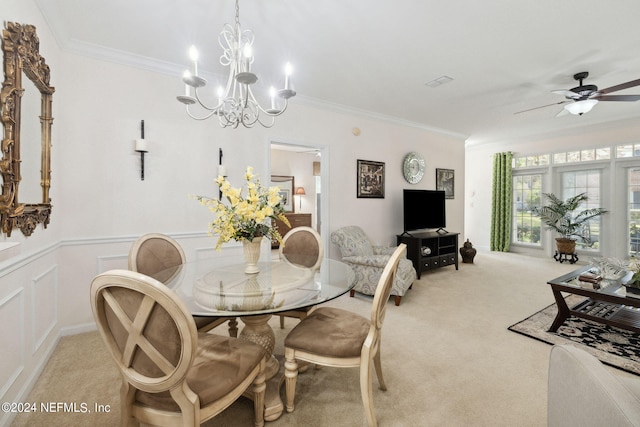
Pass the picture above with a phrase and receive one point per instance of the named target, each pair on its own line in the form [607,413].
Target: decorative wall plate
[413,168]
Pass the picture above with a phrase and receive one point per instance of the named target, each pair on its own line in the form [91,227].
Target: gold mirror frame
[20,48]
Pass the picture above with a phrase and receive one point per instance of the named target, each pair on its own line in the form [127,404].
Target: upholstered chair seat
[341,339]
[368,261]
[330,332]
[228,360]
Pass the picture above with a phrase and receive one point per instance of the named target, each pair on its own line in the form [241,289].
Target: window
[525,161]
[633,211]
[585,181]
[526,195]
[629,150]
[587,155]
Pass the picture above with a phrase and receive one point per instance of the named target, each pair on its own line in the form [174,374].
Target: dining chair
[154,255]
[334,337]
[302,247]
[171,374]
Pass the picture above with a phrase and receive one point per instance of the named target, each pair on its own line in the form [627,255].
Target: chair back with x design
[151,336]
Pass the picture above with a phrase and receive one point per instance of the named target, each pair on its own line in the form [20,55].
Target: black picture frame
[445,182]
[370,178]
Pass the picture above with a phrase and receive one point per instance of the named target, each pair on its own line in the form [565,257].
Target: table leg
[563,311]
[257,330]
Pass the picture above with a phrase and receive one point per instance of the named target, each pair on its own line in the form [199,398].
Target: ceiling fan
[581,99]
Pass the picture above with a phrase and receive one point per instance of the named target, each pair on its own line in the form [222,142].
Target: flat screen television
[423,209]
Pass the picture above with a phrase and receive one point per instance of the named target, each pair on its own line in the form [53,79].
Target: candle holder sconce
[141,147]
[221,170]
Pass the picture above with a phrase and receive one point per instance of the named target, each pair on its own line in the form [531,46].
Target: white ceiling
[376,56]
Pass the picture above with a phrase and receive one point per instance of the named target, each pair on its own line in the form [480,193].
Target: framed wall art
[370,179]
[444,182]
[286,184]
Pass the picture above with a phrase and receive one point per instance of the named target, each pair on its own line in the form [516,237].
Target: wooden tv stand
[443,246]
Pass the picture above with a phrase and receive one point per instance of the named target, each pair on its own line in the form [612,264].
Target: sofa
[583,392]
[368,261]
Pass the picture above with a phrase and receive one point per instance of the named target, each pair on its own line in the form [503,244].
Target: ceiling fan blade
[543,106]
[624,98]
[567,93]
[622,86]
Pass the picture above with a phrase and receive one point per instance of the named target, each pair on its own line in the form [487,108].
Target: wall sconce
[300,192]
[141,147]
[222,171]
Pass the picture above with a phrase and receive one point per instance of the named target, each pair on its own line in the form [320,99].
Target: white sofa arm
[582,392]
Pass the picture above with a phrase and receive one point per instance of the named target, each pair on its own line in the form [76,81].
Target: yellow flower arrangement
[245,217]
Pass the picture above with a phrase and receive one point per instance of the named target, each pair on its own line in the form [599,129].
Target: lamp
[300,192]
[236,103]
[580,107]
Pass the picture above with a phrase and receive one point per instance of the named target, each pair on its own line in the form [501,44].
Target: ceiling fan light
[580,107]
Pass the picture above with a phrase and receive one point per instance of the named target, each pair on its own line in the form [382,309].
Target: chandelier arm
[202,104]
[205,117]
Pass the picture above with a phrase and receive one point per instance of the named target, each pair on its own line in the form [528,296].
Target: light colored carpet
[447,356]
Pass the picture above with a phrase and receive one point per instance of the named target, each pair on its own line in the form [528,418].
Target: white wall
[100,205]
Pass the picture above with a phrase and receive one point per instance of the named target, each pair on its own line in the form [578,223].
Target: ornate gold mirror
[25,107]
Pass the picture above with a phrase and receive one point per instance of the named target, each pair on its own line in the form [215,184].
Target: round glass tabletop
[211,287]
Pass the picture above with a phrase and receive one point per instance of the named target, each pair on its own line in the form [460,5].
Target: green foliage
[561,216]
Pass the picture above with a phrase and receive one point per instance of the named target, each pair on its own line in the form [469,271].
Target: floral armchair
[368,261]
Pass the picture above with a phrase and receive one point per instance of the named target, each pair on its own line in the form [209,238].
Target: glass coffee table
[607,301]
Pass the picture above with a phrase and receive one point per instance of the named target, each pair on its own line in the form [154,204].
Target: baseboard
[77,329]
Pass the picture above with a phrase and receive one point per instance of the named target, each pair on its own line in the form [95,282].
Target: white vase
[252,254]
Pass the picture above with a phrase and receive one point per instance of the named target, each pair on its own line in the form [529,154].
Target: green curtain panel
[501,202]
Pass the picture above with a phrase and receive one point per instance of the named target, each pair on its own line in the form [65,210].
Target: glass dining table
[219,287]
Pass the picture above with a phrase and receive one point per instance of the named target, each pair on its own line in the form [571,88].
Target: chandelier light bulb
[288,69]
[220,93]
[193,54]
[272,94]
[185,78]
[247,51]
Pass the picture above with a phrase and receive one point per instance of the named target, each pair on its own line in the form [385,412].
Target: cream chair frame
[369,357]
[173,360]
[282,253]
[204,324]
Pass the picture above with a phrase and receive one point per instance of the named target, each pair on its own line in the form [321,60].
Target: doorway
[308,165]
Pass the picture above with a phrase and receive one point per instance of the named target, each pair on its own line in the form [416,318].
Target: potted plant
[562,217]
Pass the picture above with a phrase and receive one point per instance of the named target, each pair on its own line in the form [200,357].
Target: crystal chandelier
[236,103]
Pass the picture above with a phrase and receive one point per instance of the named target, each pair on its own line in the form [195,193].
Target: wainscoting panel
[44,306]
[12,336]
[112,262]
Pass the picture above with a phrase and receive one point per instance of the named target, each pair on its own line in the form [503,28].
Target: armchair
[368,262]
